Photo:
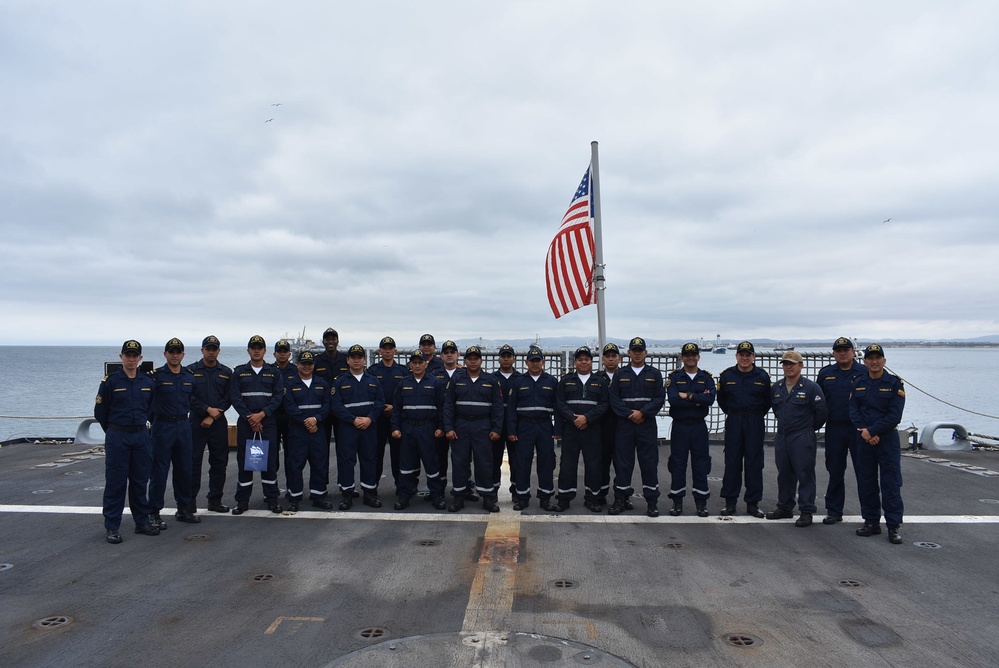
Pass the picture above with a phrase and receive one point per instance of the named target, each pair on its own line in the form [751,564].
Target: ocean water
[62,381]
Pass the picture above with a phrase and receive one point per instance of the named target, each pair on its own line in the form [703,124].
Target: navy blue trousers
[418,445]
[744,436]
[472,444]
[355,445]
[534,436]
[384,435]
[216,439]
[639,441]
[608,427]
[842,439]
[268,478]
[128,459]
[577,442]
[304,448]
[689,440]
[511,456]
[171,445]
[885,459]
[794,454]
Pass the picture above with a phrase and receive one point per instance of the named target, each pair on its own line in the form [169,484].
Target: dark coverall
[608,427]
[745,399]
[504,442]
[689,435]
[389,377]
[877,406]
[329,369]
[122,409]
[529,414]
[473,410]
[251,392]
[799,414]
[171,437]
[302,402]
[353,398]
[416,412]
[287,373]
[644,392]
[211,390]
[589,399]
[841,436]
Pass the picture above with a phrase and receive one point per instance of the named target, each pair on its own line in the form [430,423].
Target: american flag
[569,266]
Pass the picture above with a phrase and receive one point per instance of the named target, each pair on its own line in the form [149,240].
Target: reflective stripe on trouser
[841,439]
[885,459]
[534,437]
[171,445]
[575,442]
[418,445]
[304,447]
[216,438]
[472,444]
[633,441]
[794,455]
[268,478]
[355,445]
[128,458]
[692,440]
[743,445]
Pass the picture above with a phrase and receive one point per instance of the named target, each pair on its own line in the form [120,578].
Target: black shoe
[401,504]
[653,509]
[593,506]
[728,510]
[192,509]
[322,504]
[620,505]
[147,529]
[187,516]
[371,499]
[471,497]
[217,507]
[780,514]
[293,506]
[676,510]
[113,536]
[869,530]
[894,537]
[549,505]
[702,510]
[157,521]
[754,510]
[832,519]
[563,505]
[274,507]
[241,507]
[347,501]
[521,504]
[456,505]
[439,503]
[354,494]
[601,501]
[805,520]
[490,505]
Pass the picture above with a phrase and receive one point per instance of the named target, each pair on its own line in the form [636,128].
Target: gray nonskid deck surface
[652,592]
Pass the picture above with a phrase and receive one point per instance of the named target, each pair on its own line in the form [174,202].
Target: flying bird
[887,220]
[268,120]
[276,104]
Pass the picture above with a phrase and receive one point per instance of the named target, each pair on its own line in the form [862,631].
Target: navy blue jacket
[389,377]
[741,392]
[124,401]
[172,392]
[877,405]
[251,392]
[211,388]
[302,401]
[353,398]
[464,399]
[801,409]
[330,368]
[643,392]
[573,397]
[529,398]
[421,400]
[702,387]
[837,385]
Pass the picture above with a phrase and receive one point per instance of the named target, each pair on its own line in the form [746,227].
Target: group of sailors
[433,412]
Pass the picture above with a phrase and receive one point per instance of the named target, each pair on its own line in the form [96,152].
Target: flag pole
[598,242]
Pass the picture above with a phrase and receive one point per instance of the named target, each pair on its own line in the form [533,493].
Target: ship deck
[422,587]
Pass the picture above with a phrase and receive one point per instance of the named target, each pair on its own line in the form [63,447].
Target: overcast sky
[423,154]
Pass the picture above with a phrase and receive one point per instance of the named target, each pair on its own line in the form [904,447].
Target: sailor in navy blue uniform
[330,364]
[448,367]
[529,414]
[744,396]
[428,346]
[256,391]
[307,406]
[876,410]
[636,397]
[358,400]
[837,381]
[209,426]
[173,386]
[389,373]
[505,374]
[288,370]
[122,409]
[611,361]
[417,423]
[800,409]
[690,391]
[581,404]
[473,420]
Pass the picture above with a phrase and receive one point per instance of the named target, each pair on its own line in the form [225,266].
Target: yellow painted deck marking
[277,622]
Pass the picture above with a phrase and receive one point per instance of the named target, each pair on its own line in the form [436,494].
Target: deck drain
[564,584]
[851,583]
[6,567]
[428,543]
[674,546]
[262,577]
[42,491]
[52,622]
[200,536]
[372,633]
[992,501]
[72,472]
[928,545]
[742,640]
